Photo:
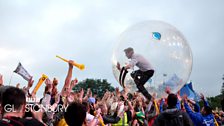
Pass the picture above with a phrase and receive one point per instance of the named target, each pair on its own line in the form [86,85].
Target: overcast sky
[34,31]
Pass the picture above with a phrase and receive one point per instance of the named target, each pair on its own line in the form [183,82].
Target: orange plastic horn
[80,66]
[40,82]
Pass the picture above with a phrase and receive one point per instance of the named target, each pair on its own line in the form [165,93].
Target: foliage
[97,86]
[215,101]
[222,89]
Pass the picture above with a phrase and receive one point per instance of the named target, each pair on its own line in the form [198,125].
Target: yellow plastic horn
[100,120]
[80,66]
[40,82]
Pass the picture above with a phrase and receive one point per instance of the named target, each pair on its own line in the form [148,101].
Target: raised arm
[47,96]
[195,116]
[203,99]
[196,105]
[68,79]
[161,105]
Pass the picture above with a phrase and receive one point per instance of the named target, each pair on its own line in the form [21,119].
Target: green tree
[222,93]
[97,86]
[222,89]
[215,101]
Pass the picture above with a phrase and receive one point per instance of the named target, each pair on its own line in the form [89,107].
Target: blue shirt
[199,119]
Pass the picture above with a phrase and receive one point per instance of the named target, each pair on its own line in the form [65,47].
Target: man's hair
[2,90]
[87,105]
[172,100]
[208,110]
[75,114]
[129,49]
[13,97]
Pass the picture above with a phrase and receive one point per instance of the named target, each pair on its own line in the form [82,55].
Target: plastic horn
[156,106]
[40,82]
[80,66]
[100,120]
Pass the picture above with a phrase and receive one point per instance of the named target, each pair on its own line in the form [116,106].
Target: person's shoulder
[210,116]
[183,113]
[136,56]
[31,122]
[186,115]
[2,123]
[89,116]
[15,121]
[160,116]
[159,119]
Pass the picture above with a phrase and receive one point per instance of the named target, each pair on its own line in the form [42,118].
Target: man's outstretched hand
[118,66]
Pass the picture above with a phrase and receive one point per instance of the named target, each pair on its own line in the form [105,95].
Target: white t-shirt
[139,61]
[89,117]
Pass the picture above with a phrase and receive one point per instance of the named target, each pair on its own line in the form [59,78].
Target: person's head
[139,102]
[75,114]
[2,90]
[206,110]
[172,100]
[13,99]
[126,107]
[87,106]
[129,52]
[70,98]
[103,108]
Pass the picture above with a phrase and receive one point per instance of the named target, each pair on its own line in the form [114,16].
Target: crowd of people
[118,108]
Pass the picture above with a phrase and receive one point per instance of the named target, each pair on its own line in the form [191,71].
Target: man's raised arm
[68,79]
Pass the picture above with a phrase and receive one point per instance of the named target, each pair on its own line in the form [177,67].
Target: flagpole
[10,79]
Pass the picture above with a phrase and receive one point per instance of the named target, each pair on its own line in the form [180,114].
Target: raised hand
[81,93]
[118,66]
[117,91]
[154,96]
[89,93]
[70,63]
[202,96]
[48,81]
[49,84]
[73,83]
[55,82]
[184,97]
[126,90]
[168,90]
[30,83]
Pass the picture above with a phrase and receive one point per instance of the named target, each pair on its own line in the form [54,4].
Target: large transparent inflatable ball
[164,47]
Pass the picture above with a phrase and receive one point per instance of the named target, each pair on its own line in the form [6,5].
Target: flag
[22,72]
[188,90]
